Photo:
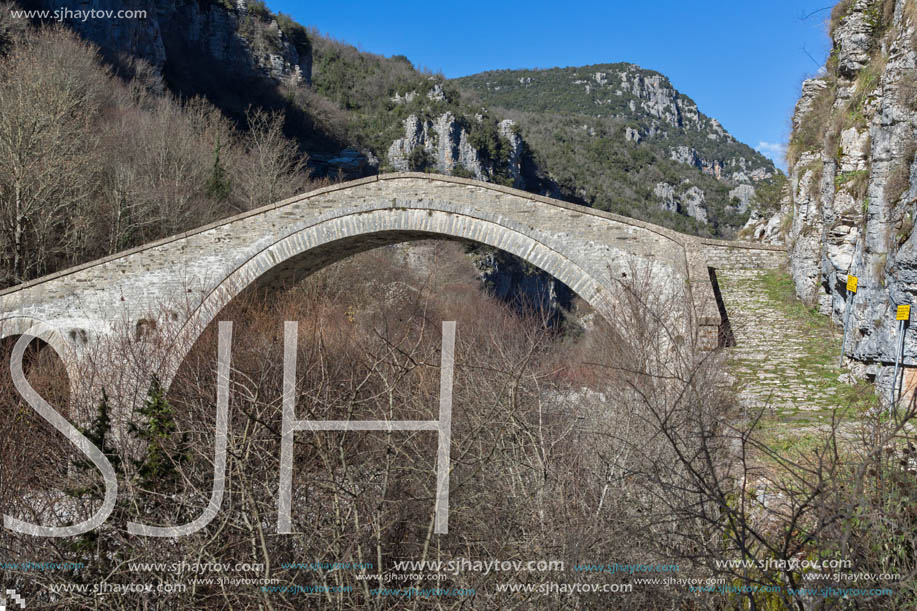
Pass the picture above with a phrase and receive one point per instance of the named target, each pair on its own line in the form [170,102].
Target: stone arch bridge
[183,282]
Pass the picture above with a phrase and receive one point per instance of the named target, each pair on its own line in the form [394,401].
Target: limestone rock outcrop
[443,144]
[853,181]
[743,194]
[507,130]
[688,201]
[658,98]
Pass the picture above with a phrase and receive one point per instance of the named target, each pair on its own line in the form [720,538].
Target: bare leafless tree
[49,92]
[274,168]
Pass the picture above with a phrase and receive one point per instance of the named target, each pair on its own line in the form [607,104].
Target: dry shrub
[34,455]
[111,163]
[840,10]
[812,129]
[622,446]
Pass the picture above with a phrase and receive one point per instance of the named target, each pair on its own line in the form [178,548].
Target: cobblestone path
[779,359]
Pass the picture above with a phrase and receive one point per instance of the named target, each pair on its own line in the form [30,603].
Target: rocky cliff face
[443,144]
[526,288]
[688,201]
[853,181]
[250,43]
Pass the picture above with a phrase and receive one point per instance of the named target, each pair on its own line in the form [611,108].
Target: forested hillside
[91,164]
[621,138]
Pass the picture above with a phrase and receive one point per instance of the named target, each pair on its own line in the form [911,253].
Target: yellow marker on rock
[851,283]
[903,316]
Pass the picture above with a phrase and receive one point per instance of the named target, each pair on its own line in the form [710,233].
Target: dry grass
[910,18]
[840,10]
[810,134]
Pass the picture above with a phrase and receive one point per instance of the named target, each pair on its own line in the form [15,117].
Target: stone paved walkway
[779,360]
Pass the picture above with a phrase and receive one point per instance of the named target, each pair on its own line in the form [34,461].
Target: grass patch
[867,81]
[780,289]
[857,179]
[786,442]
[822,343]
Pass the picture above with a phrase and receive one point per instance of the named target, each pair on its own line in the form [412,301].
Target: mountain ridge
[646,116]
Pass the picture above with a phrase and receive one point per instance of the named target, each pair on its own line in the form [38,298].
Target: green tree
[218,184]
[159,465]
[99,432]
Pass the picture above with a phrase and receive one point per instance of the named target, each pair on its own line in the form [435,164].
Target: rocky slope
[853,181]
[443,144]
[622,138]
[407,120]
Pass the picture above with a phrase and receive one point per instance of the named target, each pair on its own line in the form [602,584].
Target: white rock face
[404,99]
[717,128]
[666,193]
[436,93]
[444,140]
[691,202]
[507,129]
[694,204]
[744,193]
[684,154]
[855,150]
[853,37]
[805,230]
[810,90]
[762,228]
[445,143]
[852,205]
[659,99]
[716,168]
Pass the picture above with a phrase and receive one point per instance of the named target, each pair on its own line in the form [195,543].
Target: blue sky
[742,62]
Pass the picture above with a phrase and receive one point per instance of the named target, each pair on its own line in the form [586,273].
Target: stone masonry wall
[179,285]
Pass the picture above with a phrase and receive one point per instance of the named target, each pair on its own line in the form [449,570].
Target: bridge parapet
[723,254]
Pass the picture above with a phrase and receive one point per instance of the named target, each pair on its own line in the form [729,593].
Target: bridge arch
[48,336]
[166,292]
[339,234]
[51,335]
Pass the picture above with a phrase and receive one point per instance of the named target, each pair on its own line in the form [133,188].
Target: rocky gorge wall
[249,42]
[852,195]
